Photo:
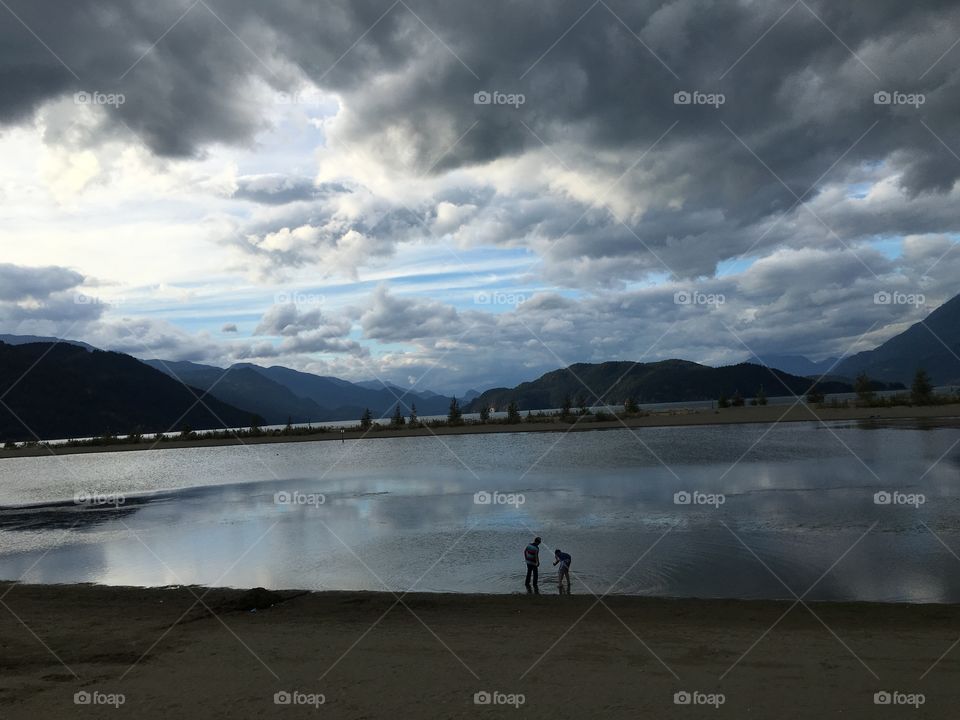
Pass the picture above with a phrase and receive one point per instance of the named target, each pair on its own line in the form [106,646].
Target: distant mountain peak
[29,339]
[932,344]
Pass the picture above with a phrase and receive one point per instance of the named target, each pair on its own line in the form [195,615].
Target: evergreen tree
[630,406]
[737,399]
[414,420]
[484,412]
[922,390]
[723,402]
[366,420]
[565,407]
[863,388]
[582,404]
[513,413]
[815,395]
[761,396]
[455,415]
[397,419]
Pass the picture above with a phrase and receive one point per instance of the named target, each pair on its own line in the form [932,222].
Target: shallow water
[798,513]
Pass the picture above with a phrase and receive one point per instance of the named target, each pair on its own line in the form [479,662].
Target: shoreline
[429,655]
[674,418]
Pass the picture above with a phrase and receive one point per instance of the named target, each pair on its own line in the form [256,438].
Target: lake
[843,511]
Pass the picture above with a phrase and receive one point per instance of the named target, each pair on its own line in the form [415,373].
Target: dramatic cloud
[21,283]
[304,332]
[45,301]
[276,189]
[391,318]
[595,158]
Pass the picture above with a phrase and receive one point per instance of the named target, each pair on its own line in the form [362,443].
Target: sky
[454,195]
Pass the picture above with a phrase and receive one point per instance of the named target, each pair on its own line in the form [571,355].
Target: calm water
[401,513]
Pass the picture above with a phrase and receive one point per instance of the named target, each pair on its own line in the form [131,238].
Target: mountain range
[796,364]
[932,344]
[654,382]
[64,390]
[27,339]
[71,389]
[279,394]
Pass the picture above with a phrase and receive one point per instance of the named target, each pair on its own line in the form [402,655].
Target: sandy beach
[935,414]
[161,653]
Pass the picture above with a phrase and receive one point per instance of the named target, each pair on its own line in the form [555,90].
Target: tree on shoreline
[582,404]
[630,406]
[414,420]
[397,420]
[455,416]
[814,395]
[921,392]
[366,420]
[484,413]
[513,413]
[863,388]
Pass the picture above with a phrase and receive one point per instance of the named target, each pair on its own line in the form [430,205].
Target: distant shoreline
[672,418]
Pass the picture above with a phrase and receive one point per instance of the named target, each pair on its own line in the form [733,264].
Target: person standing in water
[531,555]
[563,559]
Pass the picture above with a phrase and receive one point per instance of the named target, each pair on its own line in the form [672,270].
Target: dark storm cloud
[599,82]
[18,282]
[45,301]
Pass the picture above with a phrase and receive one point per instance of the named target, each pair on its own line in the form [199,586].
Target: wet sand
[948,415]
[371,657]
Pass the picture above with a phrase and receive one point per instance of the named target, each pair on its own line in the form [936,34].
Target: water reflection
[401,513]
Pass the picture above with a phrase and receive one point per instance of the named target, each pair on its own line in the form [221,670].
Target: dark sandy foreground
[420,662]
